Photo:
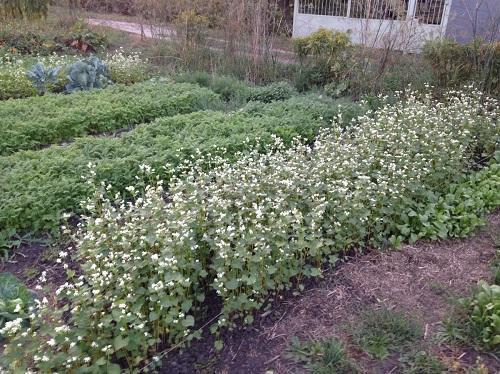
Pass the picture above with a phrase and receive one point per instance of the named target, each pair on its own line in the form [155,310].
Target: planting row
[37,186]
[34,122]
[246,229]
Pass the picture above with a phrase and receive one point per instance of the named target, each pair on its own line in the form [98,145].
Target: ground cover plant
[37,187]
[39,121]
[236,92]
[381,332]
[322,357]
[245,229]
[15,300]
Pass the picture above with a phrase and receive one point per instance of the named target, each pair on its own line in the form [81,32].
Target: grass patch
[421,362]
[381,332]
[321,356]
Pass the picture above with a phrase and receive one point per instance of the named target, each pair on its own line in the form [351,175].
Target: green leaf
[219,345]
[114,369]
[188,321]
[231,284]
[120,342]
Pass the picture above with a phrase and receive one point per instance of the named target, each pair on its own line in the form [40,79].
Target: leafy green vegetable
[14,299]
[34,122]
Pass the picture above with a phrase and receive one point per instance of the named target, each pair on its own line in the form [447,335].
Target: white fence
[400,24]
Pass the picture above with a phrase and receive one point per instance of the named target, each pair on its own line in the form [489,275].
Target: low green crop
[240,231]
[15,299]
[38,121]
[36,187]
[476,320]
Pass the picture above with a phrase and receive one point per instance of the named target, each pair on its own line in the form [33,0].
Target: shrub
[37,187]
[127,69]
[34,122]
[324,57]
[242,229]
[454,63]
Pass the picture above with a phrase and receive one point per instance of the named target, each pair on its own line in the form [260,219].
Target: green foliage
[454,63]
[241,226]
[322,356]
[456,212]
[236,92]
[342,111]
[23,9]
[15,299]
[323,43]
[383,331]
[324,57]
[421,363]
[88,74]
[477,319]
[127,68]
[15,87]
[272,92]
[41,77]
[38,186]
[34,122]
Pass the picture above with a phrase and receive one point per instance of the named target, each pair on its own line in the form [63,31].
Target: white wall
[408,34]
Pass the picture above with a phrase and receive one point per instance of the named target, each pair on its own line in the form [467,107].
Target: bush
[37,187]
[324,57]
[242,229]
[34,122]
[127,69]
[454,64]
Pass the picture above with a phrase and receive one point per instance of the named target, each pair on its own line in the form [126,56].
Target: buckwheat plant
[126,68]
[244,229]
